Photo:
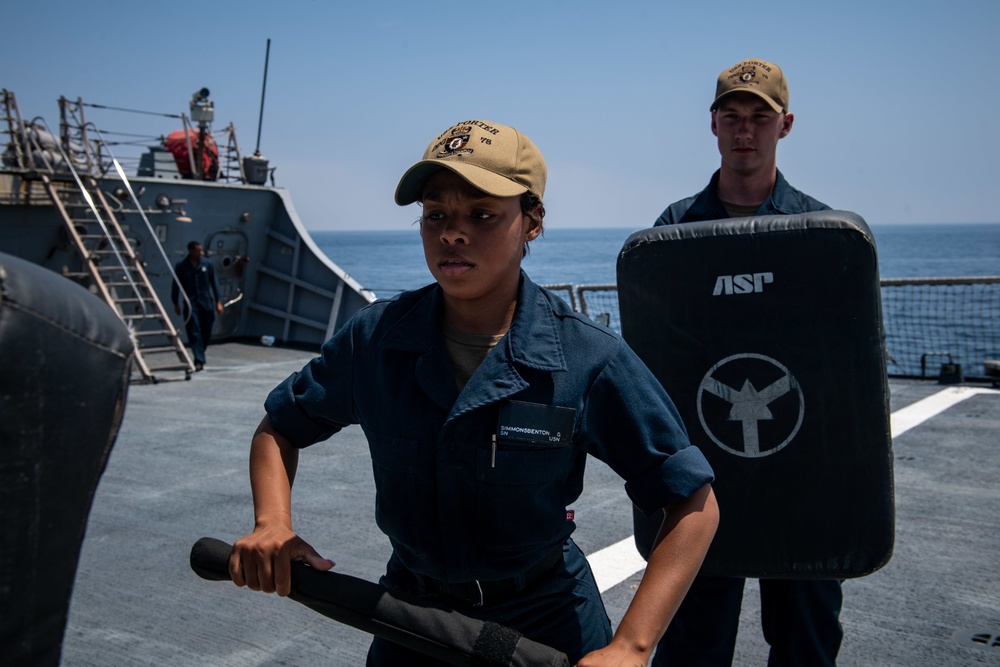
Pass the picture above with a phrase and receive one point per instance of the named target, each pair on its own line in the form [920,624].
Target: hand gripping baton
[438,632]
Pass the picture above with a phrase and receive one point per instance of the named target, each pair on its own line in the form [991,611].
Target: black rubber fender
[65,358]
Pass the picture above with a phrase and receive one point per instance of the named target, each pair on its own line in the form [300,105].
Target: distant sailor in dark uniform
[481,396]
[800,618]
[197,275]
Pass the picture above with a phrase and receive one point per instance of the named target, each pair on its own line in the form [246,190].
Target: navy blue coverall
[202,289]
[473,486]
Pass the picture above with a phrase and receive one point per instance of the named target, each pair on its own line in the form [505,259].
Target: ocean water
[388,262]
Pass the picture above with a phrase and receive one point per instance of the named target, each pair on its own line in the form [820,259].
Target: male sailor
[197,276]
[800,618]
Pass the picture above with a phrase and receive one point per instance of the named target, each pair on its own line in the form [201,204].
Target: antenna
[260,120]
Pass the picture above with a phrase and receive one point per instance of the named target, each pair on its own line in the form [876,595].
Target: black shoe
[198,366]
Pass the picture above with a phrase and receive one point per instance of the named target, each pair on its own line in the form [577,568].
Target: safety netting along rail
[932,321]
[929,322]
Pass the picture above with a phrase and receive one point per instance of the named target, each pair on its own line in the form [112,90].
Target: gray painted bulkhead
[290,289]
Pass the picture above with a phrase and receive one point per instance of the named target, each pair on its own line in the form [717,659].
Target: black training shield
[767,334]
[441,633]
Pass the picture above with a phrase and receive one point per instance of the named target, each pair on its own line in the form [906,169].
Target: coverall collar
[708,206]
[533,341]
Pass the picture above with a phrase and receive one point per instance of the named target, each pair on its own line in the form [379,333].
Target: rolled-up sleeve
[314,403]
[630,423]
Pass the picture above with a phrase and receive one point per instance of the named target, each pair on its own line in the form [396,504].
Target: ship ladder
[115,271]
[10,116]
[230,161]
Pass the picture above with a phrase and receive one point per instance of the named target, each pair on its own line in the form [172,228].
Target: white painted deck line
[614,564]
[904,419]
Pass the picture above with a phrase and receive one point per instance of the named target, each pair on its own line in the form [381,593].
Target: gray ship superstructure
[66,203]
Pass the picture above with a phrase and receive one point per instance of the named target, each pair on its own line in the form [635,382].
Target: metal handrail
[97,162]
[152,234]
[15,127]
[92,163]
[100,220]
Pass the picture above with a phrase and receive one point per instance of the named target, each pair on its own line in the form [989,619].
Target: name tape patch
[536,423]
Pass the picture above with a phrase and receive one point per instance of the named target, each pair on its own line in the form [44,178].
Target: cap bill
[411,185]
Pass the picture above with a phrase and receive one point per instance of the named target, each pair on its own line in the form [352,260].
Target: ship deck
[178,472]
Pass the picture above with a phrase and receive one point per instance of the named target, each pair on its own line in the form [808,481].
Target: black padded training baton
[438,632]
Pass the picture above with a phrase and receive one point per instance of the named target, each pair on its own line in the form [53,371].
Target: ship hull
[275,281]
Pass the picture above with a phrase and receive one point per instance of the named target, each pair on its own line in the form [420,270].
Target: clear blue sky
[896,102]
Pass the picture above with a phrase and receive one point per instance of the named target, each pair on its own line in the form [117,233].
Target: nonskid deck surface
[179,472]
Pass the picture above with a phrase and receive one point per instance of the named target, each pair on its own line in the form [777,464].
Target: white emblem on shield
[750,406]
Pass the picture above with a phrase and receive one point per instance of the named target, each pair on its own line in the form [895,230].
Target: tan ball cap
[758,77]
[494,158]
